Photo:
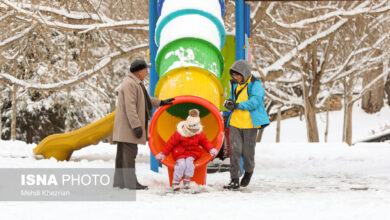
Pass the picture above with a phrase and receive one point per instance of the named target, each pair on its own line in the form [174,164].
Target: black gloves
[230,104]
[138,132]
[166,102]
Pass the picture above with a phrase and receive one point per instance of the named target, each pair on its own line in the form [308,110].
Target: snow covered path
[291,181]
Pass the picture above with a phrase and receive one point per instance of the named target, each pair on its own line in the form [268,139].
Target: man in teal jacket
[248,114]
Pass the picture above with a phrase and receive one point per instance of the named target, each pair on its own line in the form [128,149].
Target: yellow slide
[61,146]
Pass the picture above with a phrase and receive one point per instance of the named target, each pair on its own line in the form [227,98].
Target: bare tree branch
[132,24]
[83,76]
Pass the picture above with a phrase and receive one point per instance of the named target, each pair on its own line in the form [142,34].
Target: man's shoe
[141,187]
[246,179]
[234,184]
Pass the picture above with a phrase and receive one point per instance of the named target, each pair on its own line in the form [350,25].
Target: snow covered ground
[292,180]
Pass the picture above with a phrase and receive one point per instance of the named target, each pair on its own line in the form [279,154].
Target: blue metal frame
[247,20]
[153,77]
[159,6]
[222,3]
[240,29]
[247,35]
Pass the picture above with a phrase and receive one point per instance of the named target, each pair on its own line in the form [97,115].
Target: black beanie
[138,65]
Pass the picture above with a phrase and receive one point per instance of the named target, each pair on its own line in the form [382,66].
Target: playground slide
[189,64]
[61,146]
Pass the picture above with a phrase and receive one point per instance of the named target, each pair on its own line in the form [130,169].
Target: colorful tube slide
[189,63]
[190,35]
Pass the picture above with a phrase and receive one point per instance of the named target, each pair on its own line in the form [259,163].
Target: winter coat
[182,145]
[255,102]
[130,111]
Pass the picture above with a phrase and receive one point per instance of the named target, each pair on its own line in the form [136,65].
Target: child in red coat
[184,145]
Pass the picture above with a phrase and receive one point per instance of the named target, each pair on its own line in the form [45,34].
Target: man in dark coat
[134,108]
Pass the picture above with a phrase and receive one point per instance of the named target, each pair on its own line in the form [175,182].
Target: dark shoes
[234,184]
[246,179]
[138,186]
[141,187]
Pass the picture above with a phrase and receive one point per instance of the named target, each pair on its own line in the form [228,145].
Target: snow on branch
[274,40]
[324,95]
[98,89]
[340,74]
[280,96]
[77,79]
[347,61]
[17,36]
[290,81]
[254,12]
[369,85]
[5,16]
[2,6]
[278,65]
[293,4]
[72,15]
[361,9]
[131,24]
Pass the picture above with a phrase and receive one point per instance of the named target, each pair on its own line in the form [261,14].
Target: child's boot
[186,182]
[175,185]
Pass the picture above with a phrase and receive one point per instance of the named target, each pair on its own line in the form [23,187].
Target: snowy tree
[71,53]
[373,100]
[387,89]
[303,50]
[1,108]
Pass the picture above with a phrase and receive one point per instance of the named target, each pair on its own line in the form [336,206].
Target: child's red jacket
[183,146]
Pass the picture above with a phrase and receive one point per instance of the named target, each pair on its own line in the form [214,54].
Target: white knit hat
[193,120]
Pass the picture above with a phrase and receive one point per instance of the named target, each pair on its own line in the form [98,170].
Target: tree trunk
[310,116]
[259,135]
[326,127]
[1,108]
[345,85]
[311,125]
[112,108]
[311,81]
[387,85]
[387,90]
[348,123]
[13,120]
[29,136]
[345,119]
[278,126]
[67,126]
[67,120]
[1,125]
[372,101]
